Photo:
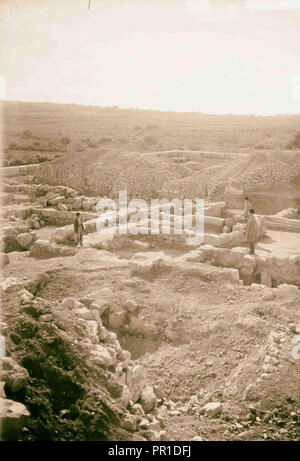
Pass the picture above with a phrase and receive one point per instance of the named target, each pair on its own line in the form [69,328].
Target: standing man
[251,233]
[78,229]
[246,210]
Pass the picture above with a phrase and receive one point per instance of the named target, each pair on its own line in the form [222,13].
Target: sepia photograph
[150,223]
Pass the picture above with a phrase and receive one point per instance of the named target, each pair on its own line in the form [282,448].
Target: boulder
[103,356]
[87,314]
[13,417]
[25,296]
[62,207]
[125,398]
[60,190]
[14,376]
[124,357]
[213,408]
[42,189]
[63,234]
[11,284]
[148,399]
[114,386]
[87,204]
[101,307]
[23,212]
[111,338]
[25,240]
[154,436]
[117,318]
[137,409]
[130,306]
[71,303]
[55,201]
[51,195]
[153,425]
[46,318]
[129,422]
[86,301]
[42,201]
[162,415]
[102,333]
[76,203]
[136,380]
[36,224]
[158,392]
[92,331]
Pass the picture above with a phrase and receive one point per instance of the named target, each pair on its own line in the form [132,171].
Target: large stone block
[63,235]
[13,417]
[136,381]
[14,376]
[25,240]
[148,399]
[103,356]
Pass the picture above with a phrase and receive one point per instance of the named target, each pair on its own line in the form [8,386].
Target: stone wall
[19,170]
[62,218]
[273,270]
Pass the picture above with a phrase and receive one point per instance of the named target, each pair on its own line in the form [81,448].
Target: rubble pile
[134,399]
[157,175]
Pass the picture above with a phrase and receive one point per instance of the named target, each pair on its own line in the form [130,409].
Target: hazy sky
[212,56]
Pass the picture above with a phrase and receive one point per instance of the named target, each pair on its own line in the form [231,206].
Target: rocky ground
[218,355]
[146,338]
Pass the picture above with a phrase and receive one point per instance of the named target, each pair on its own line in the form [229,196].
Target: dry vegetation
[57,127]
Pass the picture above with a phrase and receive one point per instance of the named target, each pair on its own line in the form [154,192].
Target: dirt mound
[63,404]
[258,170]
[152,175]
[143,179]
[193,187]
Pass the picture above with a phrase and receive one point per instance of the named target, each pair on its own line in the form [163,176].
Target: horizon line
[153,110]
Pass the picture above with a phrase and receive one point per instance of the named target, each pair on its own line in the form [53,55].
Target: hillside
[89,127]
[103,150]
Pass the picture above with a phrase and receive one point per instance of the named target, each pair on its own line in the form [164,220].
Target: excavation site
[123,334]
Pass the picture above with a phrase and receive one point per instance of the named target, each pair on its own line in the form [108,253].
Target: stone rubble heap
[60,197]
[128,383]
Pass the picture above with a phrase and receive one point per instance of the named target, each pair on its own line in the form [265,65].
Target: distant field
[37,132]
